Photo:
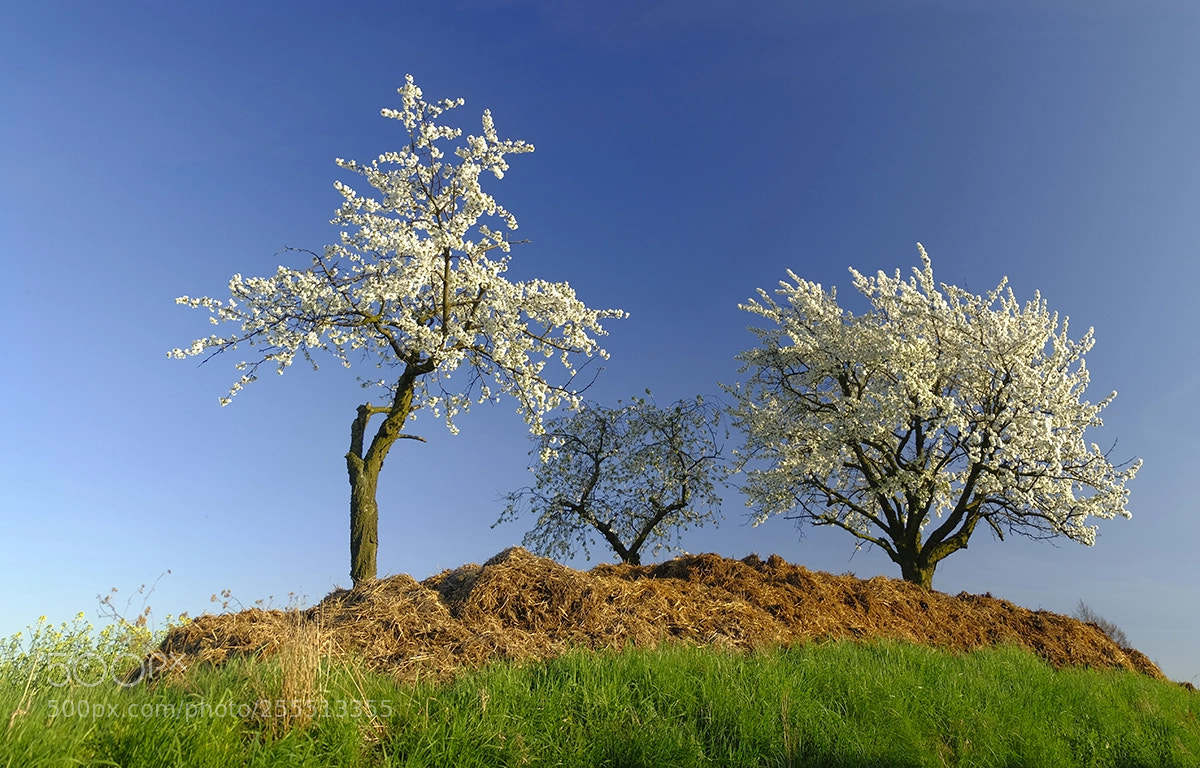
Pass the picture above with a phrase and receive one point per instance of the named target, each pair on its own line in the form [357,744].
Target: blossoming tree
[635,474]
[911,424]
[416,289]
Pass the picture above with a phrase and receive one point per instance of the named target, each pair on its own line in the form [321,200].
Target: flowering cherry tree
[635,474]
[910,425]
[416,288]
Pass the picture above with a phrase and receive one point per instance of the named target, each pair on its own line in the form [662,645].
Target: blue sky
[687,154]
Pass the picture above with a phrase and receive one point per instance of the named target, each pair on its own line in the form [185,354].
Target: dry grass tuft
[518,606]
[288,692]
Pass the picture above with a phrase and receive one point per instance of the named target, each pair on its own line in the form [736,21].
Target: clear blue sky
[687,153]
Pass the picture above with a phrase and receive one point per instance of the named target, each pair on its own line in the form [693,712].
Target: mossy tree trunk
[364,467]
[918,558]
[918,573]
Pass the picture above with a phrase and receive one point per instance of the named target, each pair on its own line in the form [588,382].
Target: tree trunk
[916,565]
[364,466]
[921,575]
[918,561]
[629,556]
[364,519]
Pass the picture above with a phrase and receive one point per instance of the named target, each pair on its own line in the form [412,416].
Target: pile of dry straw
[518,606]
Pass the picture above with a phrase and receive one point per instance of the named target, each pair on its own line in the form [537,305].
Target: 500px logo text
[90,669]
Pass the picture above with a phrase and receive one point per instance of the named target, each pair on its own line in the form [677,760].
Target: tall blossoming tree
[416,289]
[911,424]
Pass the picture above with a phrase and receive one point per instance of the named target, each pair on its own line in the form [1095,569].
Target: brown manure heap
[517,606]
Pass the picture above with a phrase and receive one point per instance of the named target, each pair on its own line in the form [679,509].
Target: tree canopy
[912,423]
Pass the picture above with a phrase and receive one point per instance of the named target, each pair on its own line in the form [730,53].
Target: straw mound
[518,606]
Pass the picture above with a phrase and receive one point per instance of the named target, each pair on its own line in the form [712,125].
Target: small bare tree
[635,474]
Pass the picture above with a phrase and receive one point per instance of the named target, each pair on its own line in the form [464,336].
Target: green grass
[827,704]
